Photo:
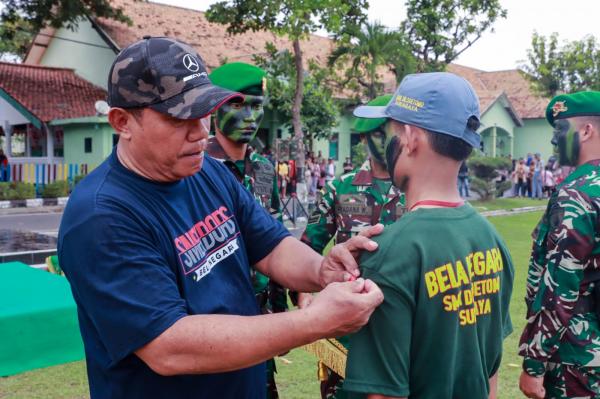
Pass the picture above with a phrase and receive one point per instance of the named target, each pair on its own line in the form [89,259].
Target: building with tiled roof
[49,93]
[512,114]
[45,112]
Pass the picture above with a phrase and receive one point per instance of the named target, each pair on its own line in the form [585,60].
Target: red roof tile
[512,82]
[50,93]
[215,46]
[211,40]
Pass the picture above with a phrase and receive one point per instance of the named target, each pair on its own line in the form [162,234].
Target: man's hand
[532,387]
[304,299]
[342,308]
[341,262]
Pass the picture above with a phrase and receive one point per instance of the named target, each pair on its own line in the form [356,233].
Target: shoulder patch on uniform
[314,218]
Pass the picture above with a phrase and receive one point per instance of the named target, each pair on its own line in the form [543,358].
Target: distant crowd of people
[317,172]
[533,178]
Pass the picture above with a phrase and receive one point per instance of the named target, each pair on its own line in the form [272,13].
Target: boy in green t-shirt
[445,272]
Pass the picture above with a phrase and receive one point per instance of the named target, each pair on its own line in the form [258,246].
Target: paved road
[43,223]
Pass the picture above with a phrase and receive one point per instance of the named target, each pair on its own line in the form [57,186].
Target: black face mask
[566,143]
[392,152]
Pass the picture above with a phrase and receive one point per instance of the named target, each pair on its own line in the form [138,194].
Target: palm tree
[369,48]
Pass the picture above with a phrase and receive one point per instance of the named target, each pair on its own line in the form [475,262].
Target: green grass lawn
[297,371]
[506,203]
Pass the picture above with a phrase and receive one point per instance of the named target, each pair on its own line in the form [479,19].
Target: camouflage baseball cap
[166,75]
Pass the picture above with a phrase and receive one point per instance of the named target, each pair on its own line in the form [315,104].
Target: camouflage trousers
[331,383]
[271,386]
[563,381]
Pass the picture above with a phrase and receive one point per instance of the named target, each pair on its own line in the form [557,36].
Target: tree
[365,51]
[16,37]
[294,18]
[545,69]
[20,20]
[359,154]
[318,112]
[553,68]
[440,30]
[485,171]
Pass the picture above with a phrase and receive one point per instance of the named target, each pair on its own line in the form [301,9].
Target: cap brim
[197,102]
[370,112]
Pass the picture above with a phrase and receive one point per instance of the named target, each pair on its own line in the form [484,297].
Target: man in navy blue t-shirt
[157,242]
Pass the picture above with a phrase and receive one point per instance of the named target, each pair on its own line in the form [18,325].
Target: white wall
[90,62]
[9,114]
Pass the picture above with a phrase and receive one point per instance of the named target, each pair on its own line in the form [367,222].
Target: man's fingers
[340,254]
[373,292]
[357,285]
[372,231]
[359,242]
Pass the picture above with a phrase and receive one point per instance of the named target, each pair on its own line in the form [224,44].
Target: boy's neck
[434,181]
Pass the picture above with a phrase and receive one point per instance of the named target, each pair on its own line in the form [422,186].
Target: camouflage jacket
[563,271]
[260,179]
[349,204]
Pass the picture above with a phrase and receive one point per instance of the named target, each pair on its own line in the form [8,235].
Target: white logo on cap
[190,63]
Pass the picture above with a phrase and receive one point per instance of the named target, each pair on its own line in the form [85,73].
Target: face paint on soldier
[566,142]
[376,143]
[239,120]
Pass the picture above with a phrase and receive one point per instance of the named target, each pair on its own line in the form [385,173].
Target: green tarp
[38,320]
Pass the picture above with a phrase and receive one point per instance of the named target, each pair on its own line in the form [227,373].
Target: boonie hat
[440,102]
[240,77]
[166,75]
[364,125]
[583,103]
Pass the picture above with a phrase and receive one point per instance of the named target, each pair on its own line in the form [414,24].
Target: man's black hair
[450,146]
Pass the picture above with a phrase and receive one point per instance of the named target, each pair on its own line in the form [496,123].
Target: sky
[505,47]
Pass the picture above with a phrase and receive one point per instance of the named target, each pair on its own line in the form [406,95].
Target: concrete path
[514,211]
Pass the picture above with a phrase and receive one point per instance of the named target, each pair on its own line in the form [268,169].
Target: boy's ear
[414,137]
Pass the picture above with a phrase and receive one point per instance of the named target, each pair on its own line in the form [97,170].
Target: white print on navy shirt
[207,243]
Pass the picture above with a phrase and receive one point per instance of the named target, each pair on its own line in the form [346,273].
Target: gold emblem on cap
[558,107]
[264,84]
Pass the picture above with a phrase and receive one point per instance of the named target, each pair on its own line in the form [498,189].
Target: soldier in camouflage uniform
[350,203]
[235,125]
[561,341]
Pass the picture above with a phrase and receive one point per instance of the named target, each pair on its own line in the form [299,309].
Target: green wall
[497,115]
[90,62]
[74,139]
[343,144]
[503,141]
[533,137]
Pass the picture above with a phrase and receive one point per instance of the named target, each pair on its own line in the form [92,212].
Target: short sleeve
[379,354]
[260,231]
[115,273]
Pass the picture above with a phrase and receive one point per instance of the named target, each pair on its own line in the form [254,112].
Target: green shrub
[16,191]
[485,171]
[77,179]
[57,189]
[359,154]
[4,189]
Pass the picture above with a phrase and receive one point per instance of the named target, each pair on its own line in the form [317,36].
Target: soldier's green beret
[583,103]
[364,125]
[240,77]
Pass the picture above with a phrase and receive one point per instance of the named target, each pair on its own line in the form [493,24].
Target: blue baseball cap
[440,102]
